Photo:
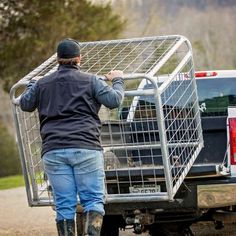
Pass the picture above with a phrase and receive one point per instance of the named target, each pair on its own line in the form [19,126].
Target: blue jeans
[72,172]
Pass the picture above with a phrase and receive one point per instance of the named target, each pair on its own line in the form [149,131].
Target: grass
[11,182]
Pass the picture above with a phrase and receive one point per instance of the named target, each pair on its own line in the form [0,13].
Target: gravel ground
[17,219]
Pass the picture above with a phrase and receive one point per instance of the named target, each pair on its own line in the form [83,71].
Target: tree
[30,29]
[9,160]
[209,25]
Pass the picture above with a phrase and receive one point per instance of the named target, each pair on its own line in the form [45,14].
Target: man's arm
[110,97]
[29,100]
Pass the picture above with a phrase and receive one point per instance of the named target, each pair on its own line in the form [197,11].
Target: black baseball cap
[68,48]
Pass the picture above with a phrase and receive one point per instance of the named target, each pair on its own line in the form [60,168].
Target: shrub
[9,157]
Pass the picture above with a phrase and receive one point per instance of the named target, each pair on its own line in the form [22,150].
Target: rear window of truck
[215,95]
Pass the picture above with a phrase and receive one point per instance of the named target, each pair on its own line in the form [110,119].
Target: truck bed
[207,164]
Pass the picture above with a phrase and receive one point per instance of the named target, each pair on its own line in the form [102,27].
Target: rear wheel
[111,225]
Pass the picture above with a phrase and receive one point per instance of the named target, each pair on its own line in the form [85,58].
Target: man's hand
[114,74]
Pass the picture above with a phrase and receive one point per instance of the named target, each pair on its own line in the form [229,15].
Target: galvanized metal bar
[13,90]
[107,148]
[135,40]
[175,72]
[127,198]
[37,70]
[164,149]
[166,56]
[140,93]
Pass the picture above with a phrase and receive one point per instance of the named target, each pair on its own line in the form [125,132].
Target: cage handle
[22,83]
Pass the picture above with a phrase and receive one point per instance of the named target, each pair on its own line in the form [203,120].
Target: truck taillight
[232,140]
[205,74]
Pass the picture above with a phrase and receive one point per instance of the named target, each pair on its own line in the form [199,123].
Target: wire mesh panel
[38,188]
[151,141]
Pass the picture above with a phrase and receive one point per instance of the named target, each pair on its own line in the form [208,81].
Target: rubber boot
[80,222]
[66,228]
[93,223]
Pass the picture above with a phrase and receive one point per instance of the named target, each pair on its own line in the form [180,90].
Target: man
[68,102]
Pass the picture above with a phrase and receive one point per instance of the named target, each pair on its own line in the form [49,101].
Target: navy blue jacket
[68,102]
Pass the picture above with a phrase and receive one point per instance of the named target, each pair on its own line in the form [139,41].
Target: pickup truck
[209,191]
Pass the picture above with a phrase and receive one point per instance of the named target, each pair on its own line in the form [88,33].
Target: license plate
[145,189]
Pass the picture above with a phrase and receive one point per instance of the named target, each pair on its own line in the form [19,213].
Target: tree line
[211,30]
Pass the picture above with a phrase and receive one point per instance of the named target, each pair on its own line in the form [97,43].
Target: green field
[11,182]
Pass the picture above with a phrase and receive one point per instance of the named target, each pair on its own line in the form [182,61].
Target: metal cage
[151,141]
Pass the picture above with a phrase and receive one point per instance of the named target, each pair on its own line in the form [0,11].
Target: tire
[110,231]
[110,226]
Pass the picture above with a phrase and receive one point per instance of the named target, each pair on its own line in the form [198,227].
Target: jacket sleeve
[110,97]
[29,100]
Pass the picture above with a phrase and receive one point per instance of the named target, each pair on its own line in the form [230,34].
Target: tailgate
[213,155]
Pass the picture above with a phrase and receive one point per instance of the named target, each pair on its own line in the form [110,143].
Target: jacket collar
[64,67]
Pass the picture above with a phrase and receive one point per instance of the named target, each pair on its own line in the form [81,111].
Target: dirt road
[17,219]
